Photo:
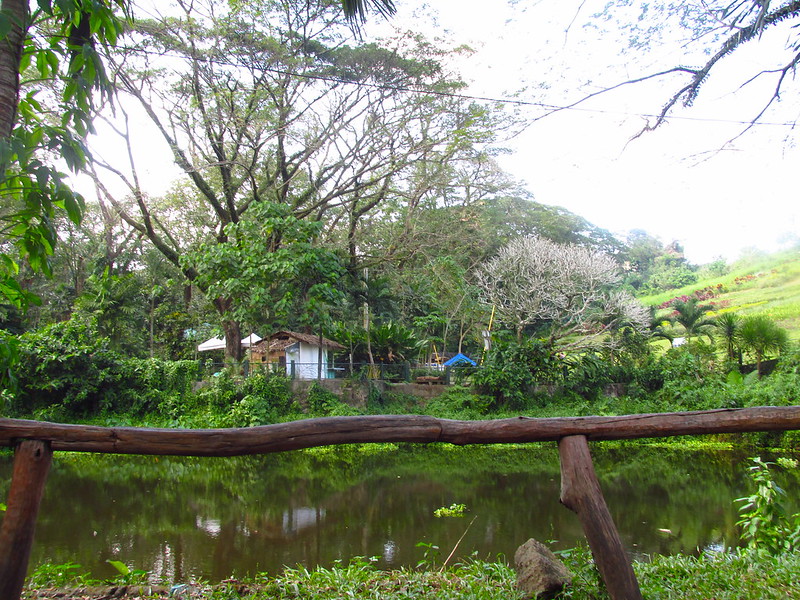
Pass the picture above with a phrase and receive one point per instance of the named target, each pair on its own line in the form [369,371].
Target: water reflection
[213,518]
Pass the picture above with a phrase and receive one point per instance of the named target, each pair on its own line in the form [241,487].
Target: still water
[188,518]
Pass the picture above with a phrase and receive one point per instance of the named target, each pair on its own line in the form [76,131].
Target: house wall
[305,357]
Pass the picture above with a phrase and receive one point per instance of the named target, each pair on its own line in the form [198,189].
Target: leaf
[73,205]
[121,567]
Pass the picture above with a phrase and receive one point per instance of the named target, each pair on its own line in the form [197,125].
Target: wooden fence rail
[34,442]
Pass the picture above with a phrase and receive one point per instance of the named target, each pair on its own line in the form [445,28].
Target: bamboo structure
[34,442]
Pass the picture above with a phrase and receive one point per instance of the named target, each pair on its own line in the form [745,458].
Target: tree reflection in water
[184,518]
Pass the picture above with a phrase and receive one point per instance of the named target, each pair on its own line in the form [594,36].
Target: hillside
[768,285]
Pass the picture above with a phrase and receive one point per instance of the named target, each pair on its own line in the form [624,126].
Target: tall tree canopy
[269,103]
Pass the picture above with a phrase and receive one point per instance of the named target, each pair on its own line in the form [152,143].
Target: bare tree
[708,34]
[566,292]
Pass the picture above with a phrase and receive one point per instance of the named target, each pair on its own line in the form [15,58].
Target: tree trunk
[10,54]
[231,328]
[233,340]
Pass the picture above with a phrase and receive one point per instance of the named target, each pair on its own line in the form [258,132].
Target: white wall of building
[305,357]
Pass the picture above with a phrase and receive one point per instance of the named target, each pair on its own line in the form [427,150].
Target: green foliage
[324,403]
[692,316]
[116,306]
[670,275]
[473,579]
[761,337]
[268,259]
[255,400]
[126,574]
[57,575]
[765,524]
[58,46]
[511,372]
[717,575]
[430,554]
[716,268]
[250,411]
[49,575]
[392,342]
[454,510]
[721,576]
[588,374]
[9,357]
[767,286]
[69,369]
[728,325]
[790,360]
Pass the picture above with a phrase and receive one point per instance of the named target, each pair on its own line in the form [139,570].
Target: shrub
[512,371]
[459,404]
[250,411]
[275,390]
[588,374]
[69,365]
[766,526]
[324,403]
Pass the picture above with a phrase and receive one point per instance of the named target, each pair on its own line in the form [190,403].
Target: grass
[721,576]
[768,285]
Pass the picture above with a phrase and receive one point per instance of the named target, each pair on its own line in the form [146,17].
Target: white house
[298,353]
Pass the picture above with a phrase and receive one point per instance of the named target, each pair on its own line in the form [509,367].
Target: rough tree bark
[10,55]
[31,465]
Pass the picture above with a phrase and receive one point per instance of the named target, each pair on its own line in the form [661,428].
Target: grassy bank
[718,576]
[768,285]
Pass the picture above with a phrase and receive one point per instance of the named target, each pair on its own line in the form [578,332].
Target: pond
[203,518]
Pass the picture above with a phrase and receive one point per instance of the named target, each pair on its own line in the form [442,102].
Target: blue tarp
[458,359]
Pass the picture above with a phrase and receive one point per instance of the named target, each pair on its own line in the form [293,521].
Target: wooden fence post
[31,464]
[580,492]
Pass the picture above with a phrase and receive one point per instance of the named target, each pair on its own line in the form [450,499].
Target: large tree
[566,293]
[267,103]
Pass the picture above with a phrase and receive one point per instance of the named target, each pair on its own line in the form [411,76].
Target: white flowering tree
[569,294]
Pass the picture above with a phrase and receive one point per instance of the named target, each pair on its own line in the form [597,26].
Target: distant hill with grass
[766,284]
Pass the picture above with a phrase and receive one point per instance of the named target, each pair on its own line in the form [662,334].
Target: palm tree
[728,325]
[761,336]
[356,10]
[692,316]
[656,325]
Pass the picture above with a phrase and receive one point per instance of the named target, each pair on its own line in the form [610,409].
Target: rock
[539,572]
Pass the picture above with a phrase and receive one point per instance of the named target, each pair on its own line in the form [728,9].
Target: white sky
[672,183]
